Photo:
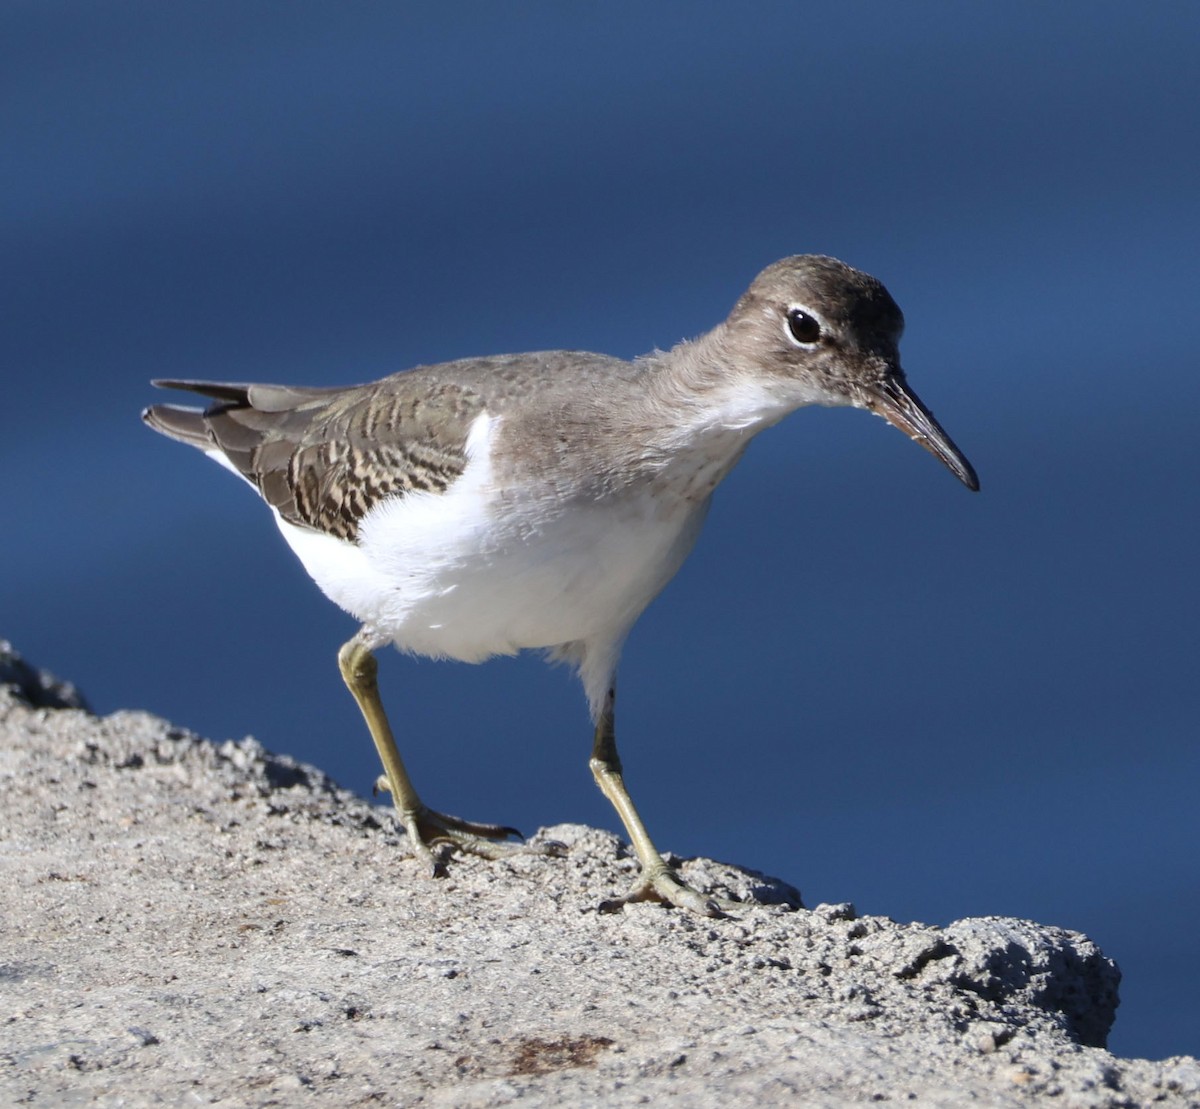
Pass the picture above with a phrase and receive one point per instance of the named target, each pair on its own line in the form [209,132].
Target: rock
[195,922]
[39,688]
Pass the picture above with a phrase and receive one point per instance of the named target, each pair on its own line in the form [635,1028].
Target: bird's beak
[902,408]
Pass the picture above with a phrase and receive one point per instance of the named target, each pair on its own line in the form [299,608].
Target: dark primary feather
[324,457]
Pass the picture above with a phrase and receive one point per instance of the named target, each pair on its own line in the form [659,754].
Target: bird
[540,501]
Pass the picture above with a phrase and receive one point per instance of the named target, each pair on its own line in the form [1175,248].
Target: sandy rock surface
[188,923]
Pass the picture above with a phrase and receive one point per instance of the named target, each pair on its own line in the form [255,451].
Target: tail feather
[264,398]
[253,430]
[185,424]
[217,390]
[190,425]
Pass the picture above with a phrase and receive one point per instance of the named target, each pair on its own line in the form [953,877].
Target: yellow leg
[423,825]
[658,881]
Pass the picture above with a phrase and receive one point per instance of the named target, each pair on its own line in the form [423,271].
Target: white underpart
[481,570]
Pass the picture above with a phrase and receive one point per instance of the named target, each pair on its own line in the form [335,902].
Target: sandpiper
[489,505]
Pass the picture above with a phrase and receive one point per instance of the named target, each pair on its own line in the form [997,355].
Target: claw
[667,887]
[427,828]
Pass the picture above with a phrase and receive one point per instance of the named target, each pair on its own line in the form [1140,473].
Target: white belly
[477,571]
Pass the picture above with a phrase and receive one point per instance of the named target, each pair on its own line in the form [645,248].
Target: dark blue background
[866,680]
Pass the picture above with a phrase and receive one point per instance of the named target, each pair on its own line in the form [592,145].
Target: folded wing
[324,457]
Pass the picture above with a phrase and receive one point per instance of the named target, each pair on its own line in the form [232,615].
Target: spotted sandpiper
[489,505]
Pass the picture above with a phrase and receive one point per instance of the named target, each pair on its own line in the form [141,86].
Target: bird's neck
[693,415]
[702,393]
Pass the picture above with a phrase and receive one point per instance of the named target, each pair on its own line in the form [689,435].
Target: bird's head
[825,333]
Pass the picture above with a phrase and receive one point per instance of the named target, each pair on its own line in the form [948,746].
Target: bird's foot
[661,883]
[427,829]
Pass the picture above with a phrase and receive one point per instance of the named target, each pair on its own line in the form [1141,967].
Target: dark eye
[804,328]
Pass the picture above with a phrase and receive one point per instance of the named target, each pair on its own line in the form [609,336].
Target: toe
[666,887]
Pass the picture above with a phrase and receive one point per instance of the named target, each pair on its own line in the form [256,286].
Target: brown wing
[324,457]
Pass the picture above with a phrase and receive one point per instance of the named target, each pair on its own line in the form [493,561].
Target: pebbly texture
[189,923]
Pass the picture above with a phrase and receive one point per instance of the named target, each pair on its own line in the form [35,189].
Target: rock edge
[195,922]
